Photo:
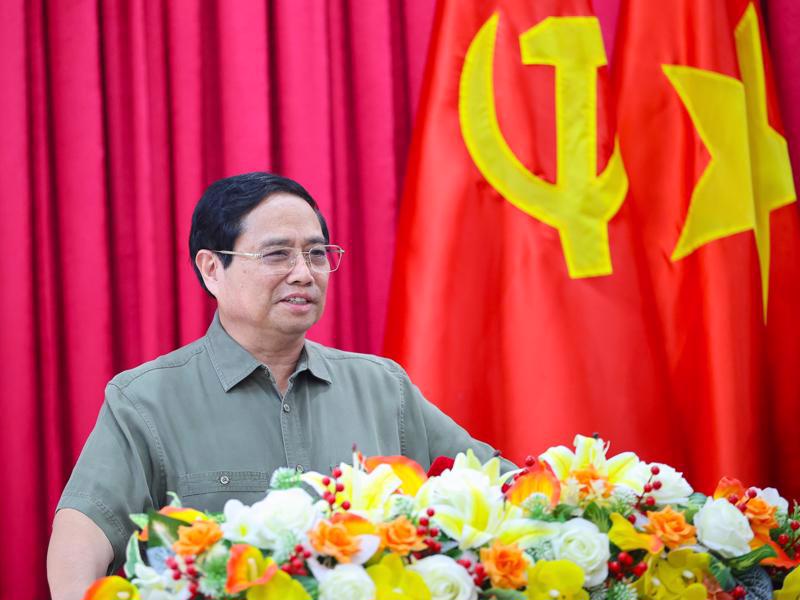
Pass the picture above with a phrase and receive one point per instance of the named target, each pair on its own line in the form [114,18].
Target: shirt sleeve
[116,471]
[426,426]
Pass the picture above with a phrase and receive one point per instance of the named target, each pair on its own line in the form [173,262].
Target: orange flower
[400,536]
[505,565]
[334,539]
[728,487]
[762,518]
[671,528]
[197,538]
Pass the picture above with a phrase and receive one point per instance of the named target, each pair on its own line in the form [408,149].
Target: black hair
[217,218]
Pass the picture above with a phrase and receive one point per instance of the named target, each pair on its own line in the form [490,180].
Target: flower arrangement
[571,524]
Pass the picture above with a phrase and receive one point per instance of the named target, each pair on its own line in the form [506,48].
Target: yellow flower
[625,537]
[367,493]
[394,582]
[587,474]
[280,587]
[791,587]
[561,579]
[679,576]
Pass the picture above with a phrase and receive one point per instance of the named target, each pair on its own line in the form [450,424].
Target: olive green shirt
[208,422]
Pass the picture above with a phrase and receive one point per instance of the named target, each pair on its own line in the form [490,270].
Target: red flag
[711,190]
[517,303]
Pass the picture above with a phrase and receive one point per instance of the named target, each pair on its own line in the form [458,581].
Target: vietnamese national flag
[520,303]
[711,190]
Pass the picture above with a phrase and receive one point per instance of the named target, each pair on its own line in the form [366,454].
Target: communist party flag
[519,300]
[712,194]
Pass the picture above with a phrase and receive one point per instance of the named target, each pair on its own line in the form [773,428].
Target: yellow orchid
[561,579]
[473,512]
[491,468]
[112,588]
[280,587]
[625,537]
[679,576]
[367,493]
[587,475]
[409,471]
[791,587]
[394,582]
[247,567]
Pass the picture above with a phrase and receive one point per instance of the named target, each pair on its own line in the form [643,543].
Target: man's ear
[210,268]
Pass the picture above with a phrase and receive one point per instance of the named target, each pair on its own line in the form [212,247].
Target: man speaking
[211,421]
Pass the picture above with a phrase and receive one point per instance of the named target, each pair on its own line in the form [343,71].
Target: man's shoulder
[343,359]
[169,365]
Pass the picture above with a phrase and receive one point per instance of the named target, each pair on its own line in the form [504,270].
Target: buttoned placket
[293,446]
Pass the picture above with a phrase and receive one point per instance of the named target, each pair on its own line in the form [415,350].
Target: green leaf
[310,584]
[722,574]
[139,519]
[174,500]
[162,530]
[751,559]
[501,594]
[132,556]
[598,516]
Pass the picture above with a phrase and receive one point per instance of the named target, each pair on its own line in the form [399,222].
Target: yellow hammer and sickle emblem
[581,202]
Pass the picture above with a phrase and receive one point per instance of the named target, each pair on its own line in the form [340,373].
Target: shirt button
[299,468]
[286,408]
[224,480]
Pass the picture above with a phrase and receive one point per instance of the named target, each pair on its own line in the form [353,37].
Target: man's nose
[301,270]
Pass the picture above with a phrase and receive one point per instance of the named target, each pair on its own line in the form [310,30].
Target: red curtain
[114,115]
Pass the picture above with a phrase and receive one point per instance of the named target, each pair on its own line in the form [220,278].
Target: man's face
[252,299]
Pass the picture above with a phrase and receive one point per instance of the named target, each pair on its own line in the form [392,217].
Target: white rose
[240,523]
[347,581]
[581,542]
[722,527]
[283,512]
[674,488]
[445,578]
[773,498]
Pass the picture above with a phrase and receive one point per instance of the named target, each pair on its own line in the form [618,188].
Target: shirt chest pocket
[210,490]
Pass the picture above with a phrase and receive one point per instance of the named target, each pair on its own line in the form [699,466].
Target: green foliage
[284,478]
[310,584]
[751,559]
[215,569]
[696,502]
[501,594]
[163,530]
[722,574]
[598,515]
[139,519]
[619,590]
[132,556]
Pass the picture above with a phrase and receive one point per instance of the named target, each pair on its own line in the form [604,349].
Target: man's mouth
[296,300]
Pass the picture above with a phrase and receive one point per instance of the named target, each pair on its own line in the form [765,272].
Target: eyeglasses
[279,261]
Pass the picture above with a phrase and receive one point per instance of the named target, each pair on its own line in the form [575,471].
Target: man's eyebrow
[316,239]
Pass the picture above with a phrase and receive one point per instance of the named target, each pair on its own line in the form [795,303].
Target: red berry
[505,487]
[648,488]
[424,521]
[191,571]
[640,569]
[464,562]
[614,566]
[529,461]
[619,576]
[339,487]
[655,470]
[331,500]
[738,592]
[306,554]
[742,507]
[650,501]
[296,563]
[326,481]
[176,575]
[795,525]
[733,498]
[433,531]
[632,518]
[193,588]
[337,472]
[783,539]
[298,549]
[422,530]
[286,568]
[479,570]
[171,562]
[346,505]
[752,493]
[625,558]
[657,485]
[189,560]
[430,512]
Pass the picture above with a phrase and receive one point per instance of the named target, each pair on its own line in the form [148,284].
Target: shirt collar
[233,363]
